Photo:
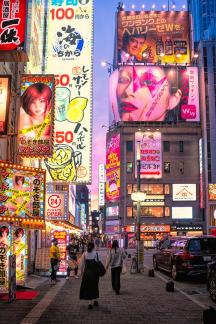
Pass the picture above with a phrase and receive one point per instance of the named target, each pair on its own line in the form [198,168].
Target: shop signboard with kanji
[21,192]
[62,237]
[69,57]
[12,25]
[4,257]
[36,115]
[20,251]
[113,168]
[154,94]
[153,36]
[5,81]
[150,154]
[56,206]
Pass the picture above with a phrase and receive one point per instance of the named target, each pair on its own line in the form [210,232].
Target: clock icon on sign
[54,201]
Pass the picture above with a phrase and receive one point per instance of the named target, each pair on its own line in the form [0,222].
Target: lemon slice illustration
[75,109]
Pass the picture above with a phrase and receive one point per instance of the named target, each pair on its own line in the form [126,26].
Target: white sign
[69,56]
[56,206]
[184,192]
[182,212]
[150,154]
[101,194]
[102,173]
[112,211]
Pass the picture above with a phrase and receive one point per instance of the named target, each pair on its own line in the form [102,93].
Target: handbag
[101,268]
[124,268]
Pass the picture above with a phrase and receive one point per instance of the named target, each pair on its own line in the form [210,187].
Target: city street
[142,300]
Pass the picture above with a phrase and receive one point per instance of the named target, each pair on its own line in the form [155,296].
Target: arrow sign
[154,172]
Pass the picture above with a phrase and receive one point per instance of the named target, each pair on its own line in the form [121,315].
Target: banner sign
[212,191]
[69,57]
[113,168]
[189,227]
[12,24]
[182,212]
[150,154]
[184,192]
[21,191]
[4,102]
[154,93]
[4,255]
[20,251]
[149,228]
[12,278]
[35,35]
[56,206]
[62,238]
[153,36]
[36,115]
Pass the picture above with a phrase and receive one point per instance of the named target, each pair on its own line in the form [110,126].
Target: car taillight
[186,256]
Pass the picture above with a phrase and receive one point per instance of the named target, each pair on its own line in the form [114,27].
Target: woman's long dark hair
[90,247]
[115,245]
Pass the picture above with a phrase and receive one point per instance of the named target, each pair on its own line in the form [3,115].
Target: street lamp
[138,197]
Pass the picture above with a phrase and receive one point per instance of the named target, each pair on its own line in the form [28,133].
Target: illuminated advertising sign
[69,57]
[56,206]
[36,115]
[182,212]
[21,191]
[72,199]
[12,24]
[153,36]
[150,154]
[102,173]
[184,192]
[4,254]
[112,227]
[35,35]
[113,168]
[112,211]
[101,194]
[20,250]
[154,93]
[212,191]
[83,216]
[4,102]
[62,238]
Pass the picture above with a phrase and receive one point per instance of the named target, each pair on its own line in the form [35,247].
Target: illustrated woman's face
[144,94]
[135,45]
[37,107]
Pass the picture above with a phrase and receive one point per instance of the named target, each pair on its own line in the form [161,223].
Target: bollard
[151,273]
[170,286]
[209,316]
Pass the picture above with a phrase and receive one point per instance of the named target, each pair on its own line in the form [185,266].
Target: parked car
[211,279]
[185,255]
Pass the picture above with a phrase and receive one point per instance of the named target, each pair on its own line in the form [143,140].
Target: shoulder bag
[101,268]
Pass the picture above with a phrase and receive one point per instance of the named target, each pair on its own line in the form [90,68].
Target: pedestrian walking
[54,260]
[72,250]
[115,260]
[90,277]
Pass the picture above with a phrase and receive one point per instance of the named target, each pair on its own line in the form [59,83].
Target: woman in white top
[90,278]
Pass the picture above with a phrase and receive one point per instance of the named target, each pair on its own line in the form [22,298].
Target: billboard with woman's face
[36,115]
[154,93]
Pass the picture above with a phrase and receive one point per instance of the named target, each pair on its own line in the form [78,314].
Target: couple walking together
[89,289]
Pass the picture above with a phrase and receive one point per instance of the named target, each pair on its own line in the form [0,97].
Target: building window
[129,211]
[181,146]
[129,146]
[167,189]
[167,167]
[181,167]
[129,167]
[155,189]
[150,189]
[129,188]
[152,211]
[166,146]
[167,211]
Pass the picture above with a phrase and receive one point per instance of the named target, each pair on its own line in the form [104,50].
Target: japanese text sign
[12,24]
[184,192]
[69,57]
[20,250]
[212,191]
[153,36]
[36,115]
[4,102]
[4,254]
[21,191]
[56,206]
[150,154]
[113,168]
[62,238]
[154,94]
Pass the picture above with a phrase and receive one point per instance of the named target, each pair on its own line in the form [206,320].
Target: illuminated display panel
[184,192]
[182,212]
[56,206]
[154,94]
[4,102]
[152,36]
[113,168]
[69,57]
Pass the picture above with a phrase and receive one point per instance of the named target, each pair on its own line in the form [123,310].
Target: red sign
[12,24]
[61,236]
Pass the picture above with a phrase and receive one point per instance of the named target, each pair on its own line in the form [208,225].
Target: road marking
[179,290]
[36,312]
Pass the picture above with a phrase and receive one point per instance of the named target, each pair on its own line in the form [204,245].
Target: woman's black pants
[115,274]
[54,263]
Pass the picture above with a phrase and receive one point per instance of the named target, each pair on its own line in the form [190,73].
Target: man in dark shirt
[72,250]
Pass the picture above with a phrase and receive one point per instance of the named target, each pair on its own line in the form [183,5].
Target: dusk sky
[104,29]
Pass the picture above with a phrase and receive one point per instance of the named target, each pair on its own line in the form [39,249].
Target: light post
[138,197]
